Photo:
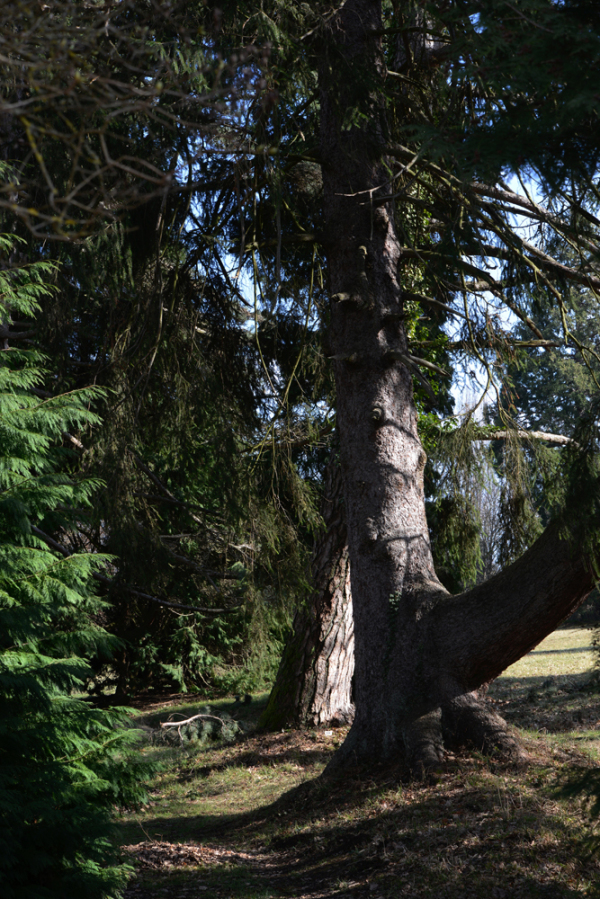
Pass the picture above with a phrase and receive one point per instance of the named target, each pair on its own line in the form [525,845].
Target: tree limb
[559,439]
[170,497]
[419,298]
[416,360]
[489,344]
[482,631]
[189,720]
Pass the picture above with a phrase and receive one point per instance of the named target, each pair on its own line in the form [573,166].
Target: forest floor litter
[247,817]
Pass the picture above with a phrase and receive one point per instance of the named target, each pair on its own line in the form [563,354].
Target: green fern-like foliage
[62,763]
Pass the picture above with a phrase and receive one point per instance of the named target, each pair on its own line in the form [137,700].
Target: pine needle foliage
[62,762]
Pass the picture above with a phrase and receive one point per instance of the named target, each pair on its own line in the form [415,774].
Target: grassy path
[249,820]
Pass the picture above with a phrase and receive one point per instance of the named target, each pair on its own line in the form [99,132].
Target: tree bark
[314,682]
[419,653]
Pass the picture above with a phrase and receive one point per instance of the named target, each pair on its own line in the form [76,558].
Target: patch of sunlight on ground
[566,651]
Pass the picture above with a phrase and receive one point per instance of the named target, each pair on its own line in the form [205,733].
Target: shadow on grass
[344,837]
[549,704]
[517,688]
[482,831]
[297,802]
[254,759]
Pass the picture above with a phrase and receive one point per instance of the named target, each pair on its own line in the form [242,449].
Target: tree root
[468,720]
[424,743]
[464,720]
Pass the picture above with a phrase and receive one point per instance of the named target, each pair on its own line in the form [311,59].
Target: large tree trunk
[419,652]
[314,681]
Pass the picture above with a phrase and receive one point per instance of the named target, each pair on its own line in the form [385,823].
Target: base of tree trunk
[313,687]
[466,721]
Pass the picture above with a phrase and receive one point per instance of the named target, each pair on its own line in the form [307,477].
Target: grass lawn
[249,819]
[567,651]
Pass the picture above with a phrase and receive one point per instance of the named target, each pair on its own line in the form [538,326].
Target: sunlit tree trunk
[314,681]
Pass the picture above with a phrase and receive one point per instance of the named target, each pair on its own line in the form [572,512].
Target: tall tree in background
[145,308]
[314,680]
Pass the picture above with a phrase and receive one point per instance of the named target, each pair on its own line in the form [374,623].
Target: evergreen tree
[63,764]
[550,392]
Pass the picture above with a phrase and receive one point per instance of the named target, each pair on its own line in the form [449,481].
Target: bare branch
[453,345]
[189,720]
[415,360]
[558,439]
[430,301]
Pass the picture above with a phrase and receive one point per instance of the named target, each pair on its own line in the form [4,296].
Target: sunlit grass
[567,651]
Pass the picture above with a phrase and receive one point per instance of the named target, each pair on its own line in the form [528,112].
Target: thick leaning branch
[481,632]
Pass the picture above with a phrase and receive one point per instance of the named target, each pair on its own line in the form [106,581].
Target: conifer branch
[430,301]
[169,497]
[396,355]
[53,544]
[7,334]
[171,605]
[111,582]
[490,344]
[205,572]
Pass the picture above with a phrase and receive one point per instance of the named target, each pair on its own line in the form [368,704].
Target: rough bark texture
[419,653]
[314,681]
[393,579]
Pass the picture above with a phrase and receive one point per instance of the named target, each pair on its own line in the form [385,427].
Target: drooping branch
[489,209]
[491,344]
[167,495]
[164,602]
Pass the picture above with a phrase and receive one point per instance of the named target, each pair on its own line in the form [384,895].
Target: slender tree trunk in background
[419,653]
[314,681]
